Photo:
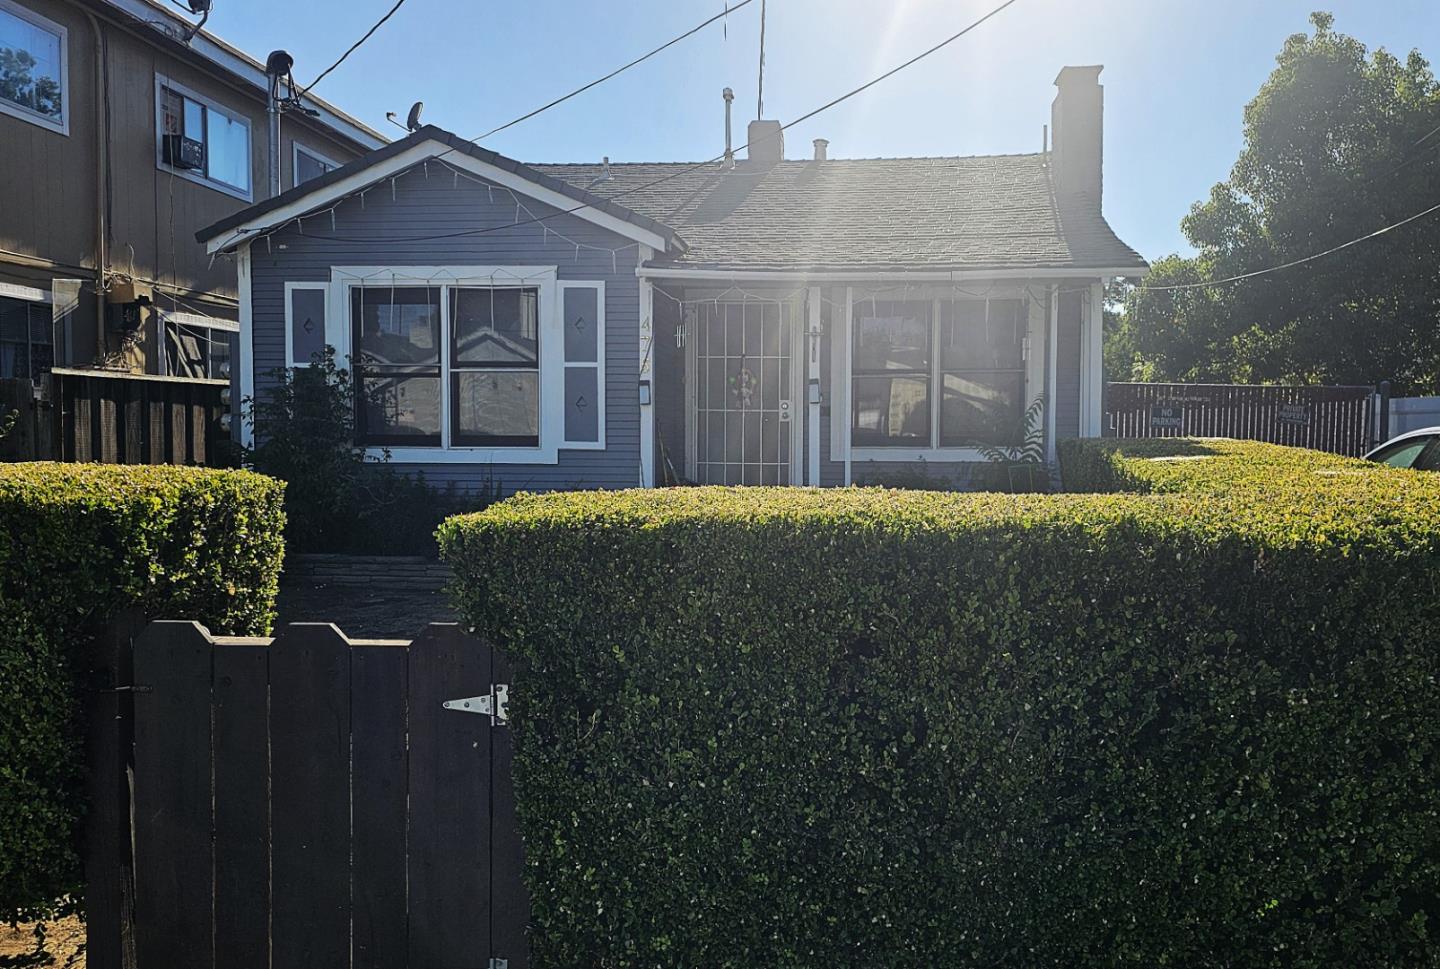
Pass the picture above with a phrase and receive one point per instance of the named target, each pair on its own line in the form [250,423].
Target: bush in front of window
[786,727]
[338,499]
[85,542]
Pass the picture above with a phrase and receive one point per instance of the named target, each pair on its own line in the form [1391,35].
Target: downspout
[102,194]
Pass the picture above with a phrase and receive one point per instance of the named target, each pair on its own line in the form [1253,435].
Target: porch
[831,382]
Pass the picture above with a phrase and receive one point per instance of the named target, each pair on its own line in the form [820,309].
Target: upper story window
[32,68]
[309,164]
[946,373]
[201,140]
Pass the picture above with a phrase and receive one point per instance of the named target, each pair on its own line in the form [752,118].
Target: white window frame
[290,287]
[598,285]
[210,104]
[338,330]
[20,111]
[842,379]
[164,318]
[296,150]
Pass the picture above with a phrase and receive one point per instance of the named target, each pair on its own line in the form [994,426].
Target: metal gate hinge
[495,705]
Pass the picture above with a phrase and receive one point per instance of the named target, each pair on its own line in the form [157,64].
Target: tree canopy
[1339,142]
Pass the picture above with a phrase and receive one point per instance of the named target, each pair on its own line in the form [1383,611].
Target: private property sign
[1297,414]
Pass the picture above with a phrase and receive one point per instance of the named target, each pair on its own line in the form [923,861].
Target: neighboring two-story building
[123,129]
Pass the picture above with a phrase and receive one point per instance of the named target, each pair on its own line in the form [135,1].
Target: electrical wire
[619,70]
[688,168]
[353,47]
[1294,262]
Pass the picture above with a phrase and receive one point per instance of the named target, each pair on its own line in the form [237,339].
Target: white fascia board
[414,155]
[242,65]
[860,276]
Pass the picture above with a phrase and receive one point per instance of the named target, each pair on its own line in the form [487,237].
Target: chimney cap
[1077,74]
[822,146]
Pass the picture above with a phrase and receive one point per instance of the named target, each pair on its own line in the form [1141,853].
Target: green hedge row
[82,543]
[800,728]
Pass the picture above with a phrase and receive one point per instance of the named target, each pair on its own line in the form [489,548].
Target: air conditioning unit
[182,152]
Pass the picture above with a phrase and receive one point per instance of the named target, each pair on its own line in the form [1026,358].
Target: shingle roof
[981,212]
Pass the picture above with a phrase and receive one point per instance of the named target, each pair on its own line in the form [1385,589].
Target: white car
[1413,449]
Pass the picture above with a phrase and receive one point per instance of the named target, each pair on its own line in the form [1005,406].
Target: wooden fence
[1338,419]
[309,800]
[116,418]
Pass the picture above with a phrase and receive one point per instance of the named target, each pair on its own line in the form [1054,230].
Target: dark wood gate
[310,801]
[1338,419]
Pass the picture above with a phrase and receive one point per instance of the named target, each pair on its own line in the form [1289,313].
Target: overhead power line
[618,71]
[355,46]
[1294,262]
[698,165]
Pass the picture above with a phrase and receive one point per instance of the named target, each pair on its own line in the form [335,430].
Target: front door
[742,391]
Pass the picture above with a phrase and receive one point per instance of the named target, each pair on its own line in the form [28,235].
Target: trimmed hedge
[784,727]
[82,543]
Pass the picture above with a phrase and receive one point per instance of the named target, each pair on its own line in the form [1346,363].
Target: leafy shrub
[337,498]
[82,543]
[793,728]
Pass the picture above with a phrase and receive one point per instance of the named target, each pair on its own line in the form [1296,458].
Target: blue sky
[1177,76]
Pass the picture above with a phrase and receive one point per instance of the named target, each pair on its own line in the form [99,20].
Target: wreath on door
[742,385]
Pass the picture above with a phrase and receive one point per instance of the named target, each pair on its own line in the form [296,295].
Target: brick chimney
[767,142]
[1077,125]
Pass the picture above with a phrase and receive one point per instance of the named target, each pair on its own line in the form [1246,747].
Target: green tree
[1339,142]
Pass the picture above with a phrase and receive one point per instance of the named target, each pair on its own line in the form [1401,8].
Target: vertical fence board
[173,861]
[109,719]
[378,785]
[310,796]
[179,433]
[510,901]
[242,807]
[449,850]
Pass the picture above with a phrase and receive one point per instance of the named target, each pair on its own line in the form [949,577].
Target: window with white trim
[196,346]
[33,83]
[942,373]
[308,163]
[201,140]
[494,366]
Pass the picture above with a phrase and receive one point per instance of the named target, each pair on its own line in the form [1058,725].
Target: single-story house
[746,321]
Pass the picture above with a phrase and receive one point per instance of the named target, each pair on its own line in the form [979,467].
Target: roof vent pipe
[729,97]
[822,149]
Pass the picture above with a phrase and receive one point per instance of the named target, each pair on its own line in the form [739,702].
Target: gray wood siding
[438,203]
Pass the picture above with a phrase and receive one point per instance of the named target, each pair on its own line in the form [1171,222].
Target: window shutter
[305,312]
[583,309]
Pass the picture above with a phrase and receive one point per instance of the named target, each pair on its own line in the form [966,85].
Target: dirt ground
[64,943]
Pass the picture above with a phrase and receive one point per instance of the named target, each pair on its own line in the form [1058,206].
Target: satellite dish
[413,120]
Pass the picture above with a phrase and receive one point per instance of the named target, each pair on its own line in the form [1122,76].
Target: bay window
[937,373]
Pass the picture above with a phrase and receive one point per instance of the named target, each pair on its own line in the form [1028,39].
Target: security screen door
[742,393]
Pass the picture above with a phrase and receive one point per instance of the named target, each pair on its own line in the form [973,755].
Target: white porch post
[1092,379]
[812,388]
[647,381]
[247,346]
[1052,351]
